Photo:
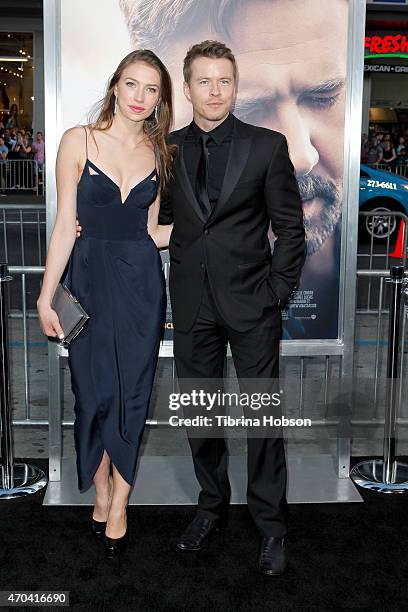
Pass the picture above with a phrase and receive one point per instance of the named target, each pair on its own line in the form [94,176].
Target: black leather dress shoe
[98,528]
[196,532]
[115,546]
[272,560]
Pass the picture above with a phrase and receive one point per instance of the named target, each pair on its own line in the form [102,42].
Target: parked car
[382,192]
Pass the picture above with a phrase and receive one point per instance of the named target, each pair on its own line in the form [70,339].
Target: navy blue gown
[116,273]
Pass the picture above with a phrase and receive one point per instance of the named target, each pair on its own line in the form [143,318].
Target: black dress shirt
[218,151]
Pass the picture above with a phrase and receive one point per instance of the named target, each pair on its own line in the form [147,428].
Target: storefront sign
[394,45]
[386,68]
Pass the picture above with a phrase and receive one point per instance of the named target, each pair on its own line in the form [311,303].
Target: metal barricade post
[17,479]
[387,475]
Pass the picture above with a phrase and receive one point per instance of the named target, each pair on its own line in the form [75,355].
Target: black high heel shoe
[115,546]
[98,529]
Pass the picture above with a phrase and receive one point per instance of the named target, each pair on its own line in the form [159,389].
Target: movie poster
[291,57]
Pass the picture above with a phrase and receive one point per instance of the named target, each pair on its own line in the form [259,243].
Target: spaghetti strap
[86,141]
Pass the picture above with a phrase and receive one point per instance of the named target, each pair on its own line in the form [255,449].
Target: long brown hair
[158,125]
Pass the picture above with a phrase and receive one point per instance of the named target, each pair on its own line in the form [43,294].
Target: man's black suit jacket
[232,245]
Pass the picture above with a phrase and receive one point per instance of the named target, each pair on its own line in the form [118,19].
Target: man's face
[292,79]
[211,89]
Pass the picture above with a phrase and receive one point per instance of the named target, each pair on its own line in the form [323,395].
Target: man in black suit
[231,180]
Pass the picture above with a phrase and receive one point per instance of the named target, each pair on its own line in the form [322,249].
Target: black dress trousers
[199,354]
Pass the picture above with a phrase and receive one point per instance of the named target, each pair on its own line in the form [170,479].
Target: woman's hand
[49,321]
[160,234]
[78,229]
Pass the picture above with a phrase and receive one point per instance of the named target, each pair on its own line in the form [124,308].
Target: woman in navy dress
[110,174]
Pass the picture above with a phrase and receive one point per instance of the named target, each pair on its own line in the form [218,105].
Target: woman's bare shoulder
[74,136]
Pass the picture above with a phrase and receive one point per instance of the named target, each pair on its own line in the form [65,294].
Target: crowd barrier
[387,475]
[16,479]
[22,176]
[400,169]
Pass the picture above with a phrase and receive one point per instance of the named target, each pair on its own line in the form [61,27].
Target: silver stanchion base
[369,474]
[27,479]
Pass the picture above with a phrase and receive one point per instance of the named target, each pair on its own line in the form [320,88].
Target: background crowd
[386,149]
[19,143]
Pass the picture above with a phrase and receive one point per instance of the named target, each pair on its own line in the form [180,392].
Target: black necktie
[202,177]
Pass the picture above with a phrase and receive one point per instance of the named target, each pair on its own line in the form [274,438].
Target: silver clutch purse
[71,315]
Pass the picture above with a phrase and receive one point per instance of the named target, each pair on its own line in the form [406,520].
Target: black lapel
[237,159]
[182,178]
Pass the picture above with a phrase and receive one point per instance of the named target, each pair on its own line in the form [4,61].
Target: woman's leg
[103,486]
[116,525]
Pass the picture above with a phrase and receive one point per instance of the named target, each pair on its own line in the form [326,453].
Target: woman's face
[137,91]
